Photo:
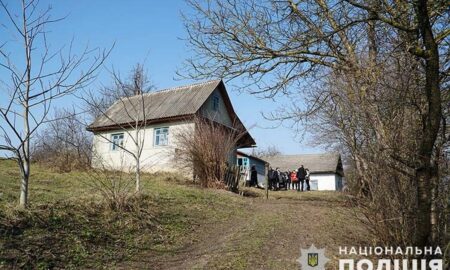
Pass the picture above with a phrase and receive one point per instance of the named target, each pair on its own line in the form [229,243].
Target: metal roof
[316,163]
[250,156]
[173,102]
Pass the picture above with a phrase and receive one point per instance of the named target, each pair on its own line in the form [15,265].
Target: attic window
[215,103]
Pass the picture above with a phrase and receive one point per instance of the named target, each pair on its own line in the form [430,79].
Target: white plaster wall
[324,181]
[153,158]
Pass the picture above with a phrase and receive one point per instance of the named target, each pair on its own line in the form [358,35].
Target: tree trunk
[25,159]
[25,173]
[138,162]
[138,175]
[24,163]
[423,227]
[427,171]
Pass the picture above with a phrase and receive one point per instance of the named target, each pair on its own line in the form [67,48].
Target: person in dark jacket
[253,176]
[288,179]
[272,178]
[277,179]
[301,175]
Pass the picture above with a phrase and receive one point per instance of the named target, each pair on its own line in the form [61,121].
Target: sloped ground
[176,226]
[268,234]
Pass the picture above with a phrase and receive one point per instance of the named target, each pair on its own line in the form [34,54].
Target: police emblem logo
[313,259]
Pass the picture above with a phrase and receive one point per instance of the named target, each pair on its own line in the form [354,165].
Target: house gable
[215,108]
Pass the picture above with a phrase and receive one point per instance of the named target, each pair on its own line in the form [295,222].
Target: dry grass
[173,223]
[68,226]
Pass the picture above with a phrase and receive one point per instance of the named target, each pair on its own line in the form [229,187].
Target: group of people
[296,179]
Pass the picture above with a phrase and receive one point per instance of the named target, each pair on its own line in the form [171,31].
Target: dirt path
[268,236]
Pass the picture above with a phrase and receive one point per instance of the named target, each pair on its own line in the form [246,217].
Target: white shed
[326,171]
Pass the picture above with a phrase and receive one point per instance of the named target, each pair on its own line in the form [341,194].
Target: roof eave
[131,124]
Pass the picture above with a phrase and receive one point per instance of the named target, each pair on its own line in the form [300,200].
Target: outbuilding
[326,170]
[246,161]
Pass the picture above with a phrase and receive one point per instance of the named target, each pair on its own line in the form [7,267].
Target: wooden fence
[234,178]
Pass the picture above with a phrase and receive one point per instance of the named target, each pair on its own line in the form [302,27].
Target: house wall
[260,168]
[326,181]
[221,115]
[153,158]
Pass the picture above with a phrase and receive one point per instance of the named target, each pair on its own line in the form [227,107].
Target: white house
[166,113]
[326,171]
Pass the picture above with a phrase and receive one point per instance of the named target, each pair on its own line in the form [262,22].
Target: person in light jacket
[308,187]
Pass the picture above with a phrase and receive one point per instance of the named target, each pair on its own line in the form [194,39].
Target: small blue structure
[246,161]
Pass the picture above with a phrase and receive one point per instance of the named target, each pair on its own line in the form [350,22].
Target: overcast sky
[153,31]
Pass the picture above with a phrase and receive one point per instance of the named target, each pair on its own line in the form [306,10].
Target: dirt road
[268,235]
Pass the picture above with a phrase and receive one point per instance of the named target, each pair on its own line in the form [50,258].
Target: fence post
[266,184]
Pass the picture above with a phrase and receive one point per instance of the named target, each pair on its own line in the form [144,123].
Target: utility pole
[266,185]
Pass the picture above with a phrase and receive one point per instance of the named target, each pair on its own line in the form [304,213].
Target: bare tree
[137,83]
[207,148]
[130,97]
[36,79]
[63,143]
[270,151]
[114,184]
[306,45]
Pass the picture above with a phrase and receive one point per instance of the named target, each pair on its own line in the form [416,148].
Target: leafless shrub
[208,149]
[114,185]
[379,128]
[64,144]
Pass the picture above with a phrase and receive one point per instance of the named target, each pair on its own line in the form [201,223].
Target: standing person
[277,178]
[301,175]
[283,180]
[271,177]
[294,179]
[308,187]
[253,176]
[288,179]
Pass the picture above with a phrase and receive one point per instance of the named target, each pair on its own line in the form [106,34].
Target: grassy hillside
[173,223]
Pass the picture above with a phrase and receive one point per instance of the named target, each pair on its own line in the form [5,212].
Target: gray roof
[173,102]
[250,156]
[316,163]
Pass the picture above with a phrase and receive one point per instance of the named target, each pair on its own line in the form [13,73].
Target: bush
[208,148]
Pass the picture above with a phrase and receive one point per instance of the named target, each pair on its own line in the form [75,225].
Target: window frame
[215,103]
[155,136]
[117,143]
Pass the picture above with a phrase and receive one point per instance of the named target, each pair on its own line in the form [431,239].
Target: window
[240,162]
[161,136]
[215,103]
[116,141]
